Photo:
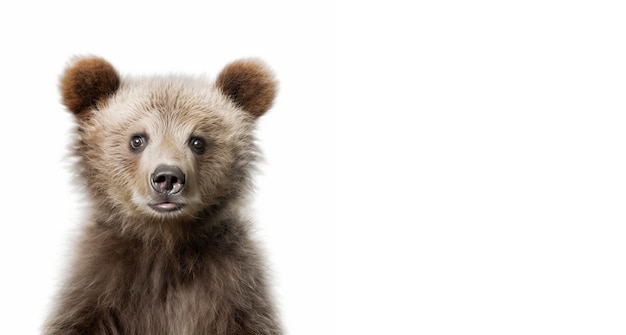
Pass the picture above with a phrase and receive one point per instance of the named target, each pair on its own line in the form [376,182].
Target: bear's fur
[166,162]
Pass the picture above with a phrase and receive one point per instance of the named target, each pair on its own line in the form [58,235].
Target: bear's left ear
[250,84]
[86,81]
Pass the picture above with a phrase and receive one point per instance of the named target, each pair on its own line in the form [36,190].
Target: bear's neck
[170,232]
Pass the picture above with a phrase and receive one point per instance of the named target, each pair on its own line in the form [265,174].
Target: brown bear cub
[167,163]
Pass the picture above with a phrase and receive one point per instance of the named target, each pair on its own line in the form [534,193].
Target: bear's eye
[197,144]
[137,142]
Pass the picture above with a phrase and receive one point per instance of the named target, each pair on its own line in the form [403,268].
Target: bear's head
[165,151]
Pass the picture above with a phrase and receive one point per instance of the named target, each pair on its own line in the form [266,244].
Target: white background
[443,167]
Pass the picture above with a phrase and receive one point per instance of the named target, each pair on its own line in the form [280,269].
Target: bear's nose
[167,179]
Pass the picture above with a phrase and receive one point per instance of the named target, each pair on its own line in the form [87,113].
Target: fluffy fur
[249,84]
[89,80]
[193,270]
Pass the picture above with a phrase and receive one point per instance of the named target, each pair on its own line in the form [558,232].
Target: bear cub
[166,162]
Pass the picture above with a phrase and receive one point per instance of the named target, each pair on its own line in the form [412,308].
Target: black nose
[167,179]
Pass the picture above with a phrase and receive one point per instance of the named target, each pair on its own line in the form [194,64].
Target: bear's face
[165,148]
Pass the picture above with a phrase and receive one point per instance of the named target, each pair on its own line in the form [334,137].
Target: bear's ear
[250,84]
[86,81]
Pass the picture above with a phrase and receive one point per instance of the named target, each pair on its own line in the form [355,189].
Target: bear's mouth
[166,206]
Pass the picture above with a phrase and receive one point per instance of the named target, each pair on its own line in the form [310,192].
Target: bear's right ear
[86,81]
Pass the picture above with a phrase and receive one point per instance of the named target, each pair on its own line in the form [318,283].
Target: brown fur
[137,271]
[86,82]
[249,84]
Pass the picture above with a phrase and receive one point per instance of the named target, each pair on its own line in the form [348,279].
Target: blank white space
[481,168]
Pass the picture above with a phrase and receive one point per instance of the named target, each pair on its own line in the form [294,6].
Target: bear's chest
[188,296]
